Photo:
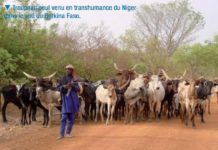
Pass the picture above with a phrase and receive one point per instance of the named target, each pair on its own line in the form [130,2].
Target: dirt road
[163,135]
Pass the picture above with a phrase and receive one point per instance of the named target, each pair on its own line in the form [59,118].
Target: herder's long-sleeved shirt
[70,101]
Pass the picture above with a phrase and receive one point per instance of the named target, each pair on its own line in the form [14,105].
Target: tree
[172,24]
[198,59]
[7,65]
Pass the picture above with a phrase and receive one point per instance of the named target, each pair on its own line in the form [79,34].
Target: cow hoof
[194,126]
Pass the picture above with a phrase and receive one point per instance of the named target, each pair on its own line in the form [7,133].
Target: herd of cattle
[129,96]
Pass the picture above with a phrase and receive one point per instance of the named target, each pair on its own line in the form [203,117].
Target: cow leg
[140,112]
[202,115]
[46,118]
[30,110]
[101,112]
[33,112]
[126,114]
[150,110]
[23,116]
[161,108]
[158,107]
[30,113]
[112,112]
[93,110]
[108,113]
[131,109]
[97,110]
[50,116]
[209,105]
[193,117]
[4,111]
[186,116]
[202,110]
[170,109]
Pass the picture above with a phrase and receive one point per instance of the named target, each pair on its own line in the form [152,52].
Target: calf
[106,95]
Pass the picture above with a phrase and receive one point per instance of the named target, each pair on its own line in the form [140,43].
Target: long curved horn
[165,74]
[133,68]
[116,67]
[124,85]
[183,75]
[50,76]
[29,76]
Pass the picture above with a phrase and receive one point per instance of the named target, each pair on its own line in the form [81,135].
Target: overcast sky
[118,22]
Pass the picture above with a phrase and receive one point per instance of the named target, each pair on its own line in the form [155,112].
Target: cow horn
[136,72]
[50,76]
[81,89]
[133,68]
[124,85]
[183,75]
[165,74]
[29,76]
[116,67]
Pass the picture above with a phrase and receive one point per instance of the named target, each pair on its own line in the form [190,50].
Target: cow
[24,95]
[156,95]
[171,88]
[215,89]
[9,93]
[88,97]
[134,93]
[203,94]
[48,96]
[106,94]
[123,77]
[187,100]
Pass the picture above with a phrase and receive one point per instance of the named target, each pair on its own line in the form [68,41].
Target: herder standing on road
[69,88]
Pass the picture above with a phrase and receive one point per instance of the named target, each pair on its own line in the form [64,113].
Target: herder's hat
[69,66]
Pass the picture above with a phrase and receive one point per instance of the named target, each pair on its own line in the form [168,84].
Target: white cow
[49,99]
[187,100]
[156,95]
[106,96]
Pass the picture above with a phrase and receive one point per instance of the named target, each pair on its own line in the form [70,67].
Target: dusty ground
[163,135]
